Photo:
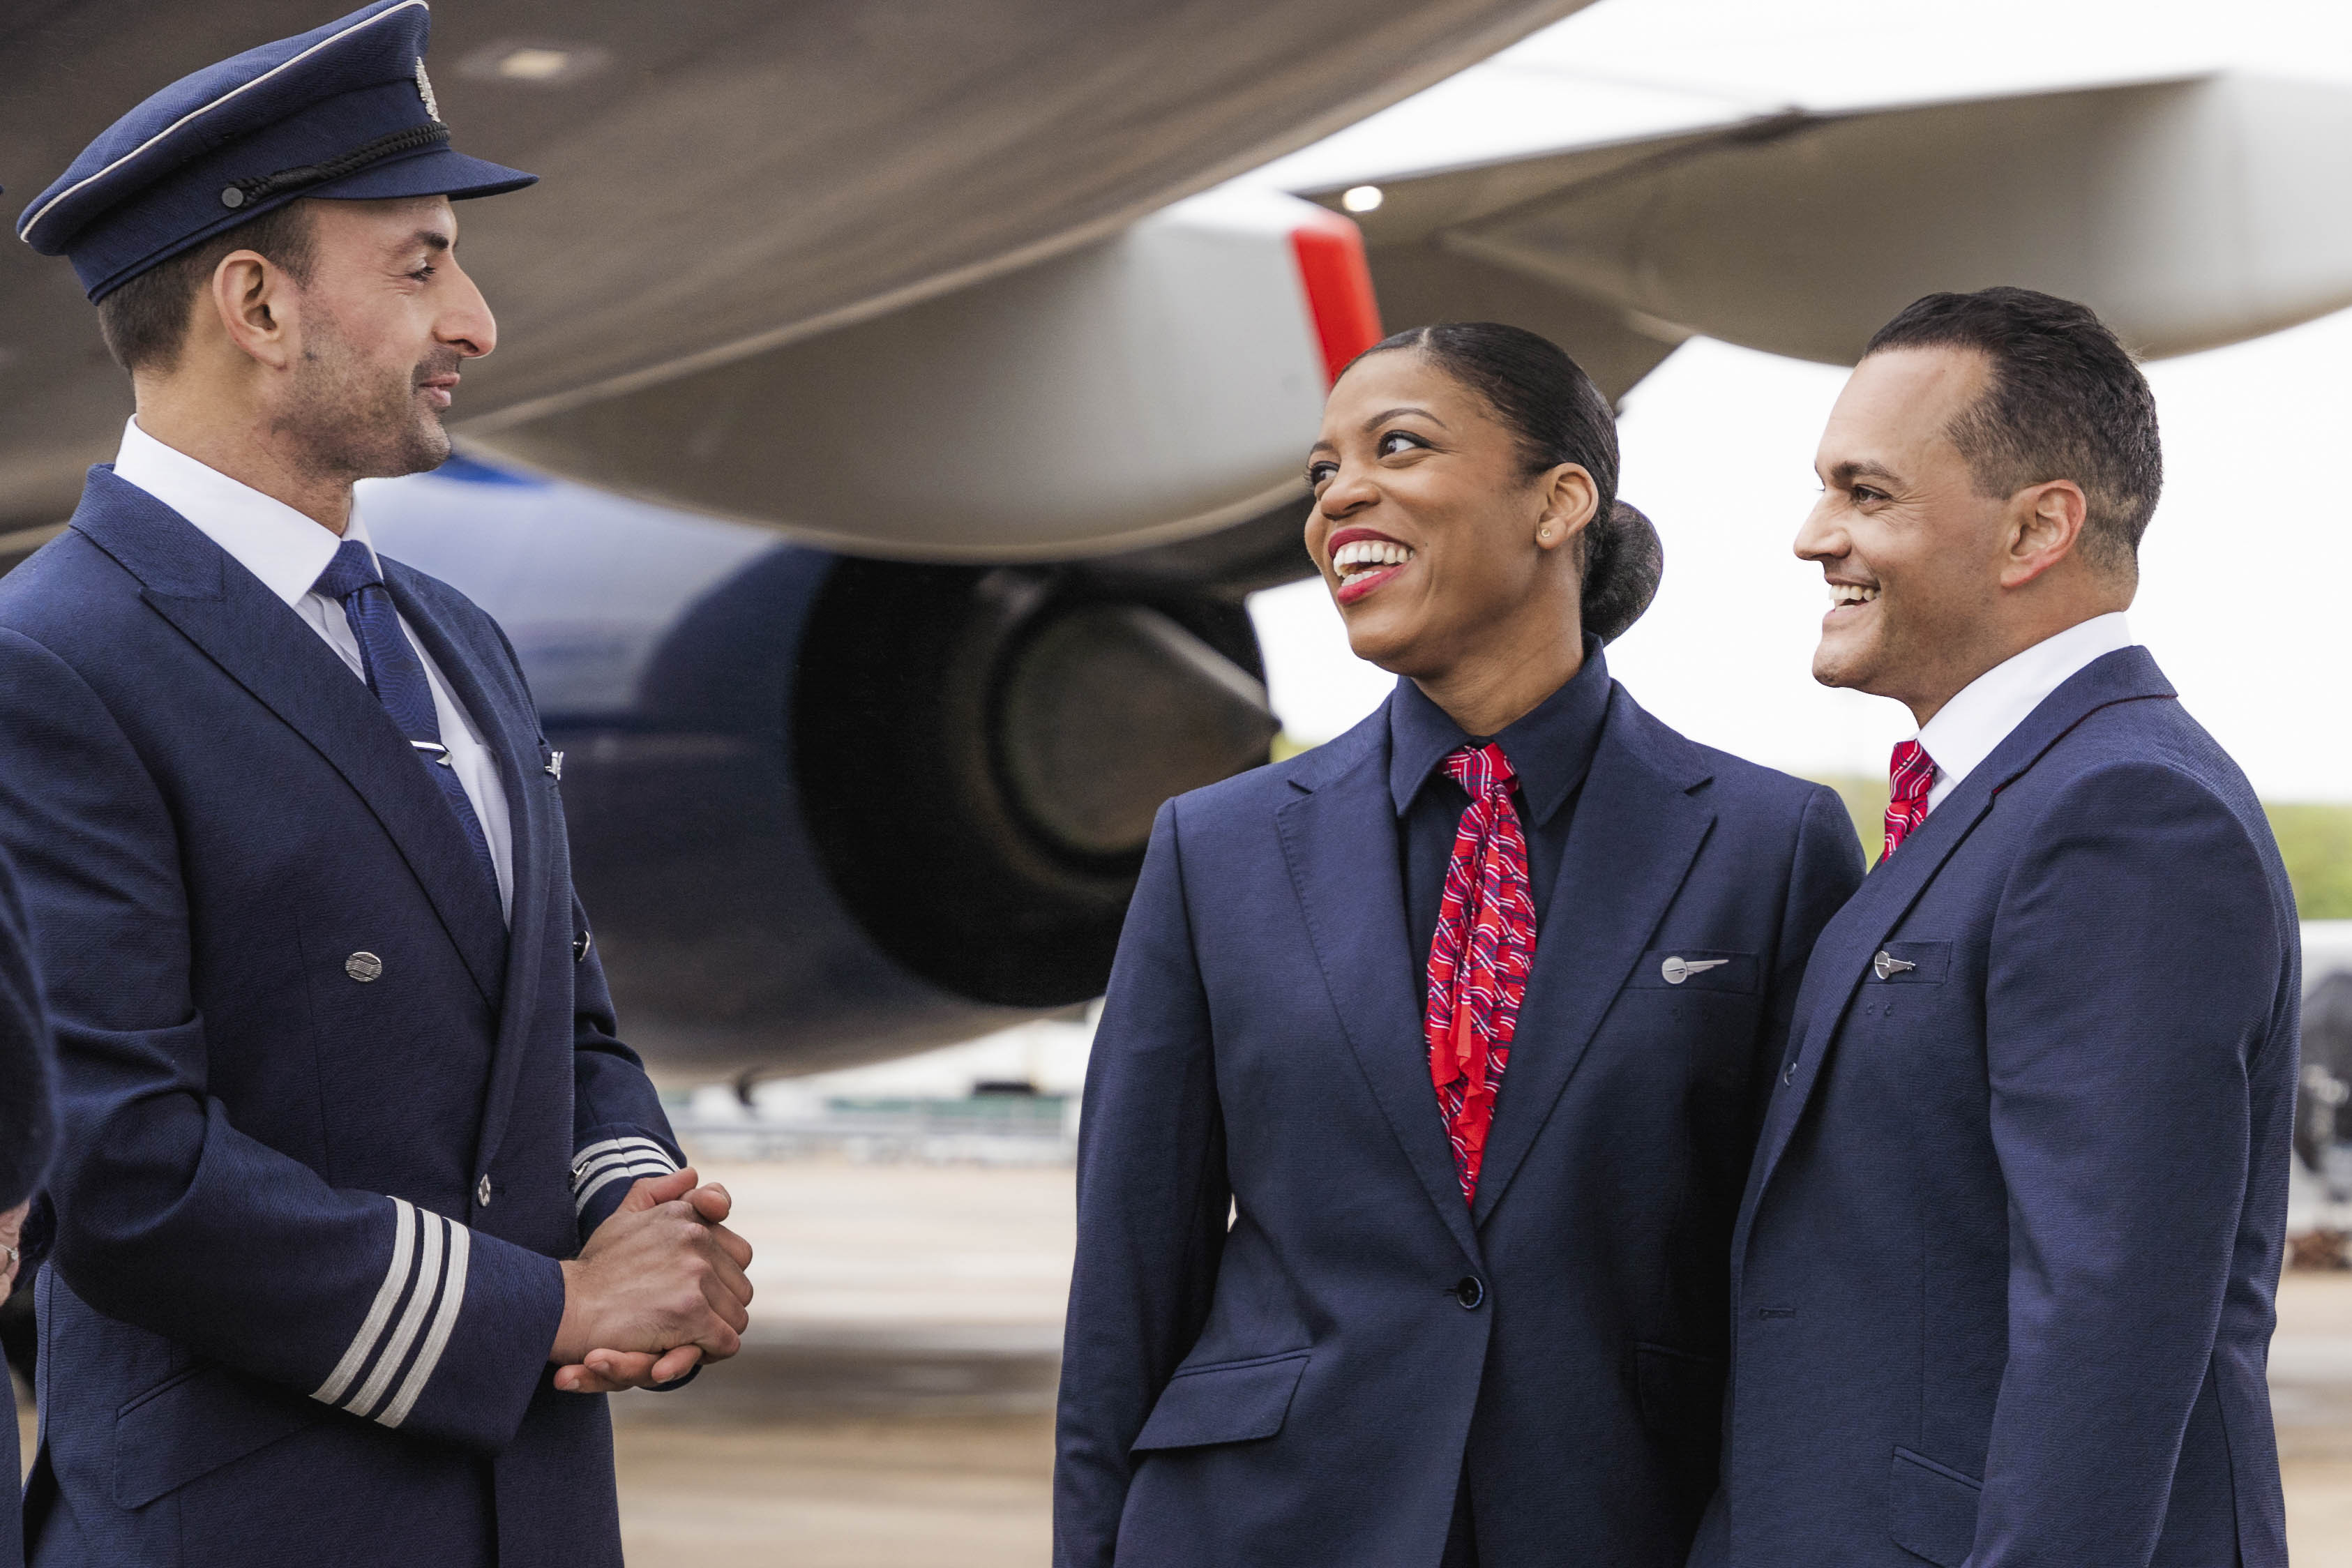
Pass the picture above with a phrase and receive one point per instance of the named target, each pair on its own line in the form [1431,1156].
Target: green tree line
[2314,839]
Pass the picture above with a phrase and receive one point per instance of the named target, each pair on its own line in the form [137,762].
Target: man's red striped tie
[1911,773]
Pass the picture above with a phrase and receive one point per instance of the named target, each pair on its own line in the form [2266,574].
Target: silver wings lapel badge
[555,766]
[1886,966]
[1676,970]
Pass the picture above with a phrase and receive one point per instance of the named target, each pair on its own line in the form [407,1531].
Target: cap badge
[424,90]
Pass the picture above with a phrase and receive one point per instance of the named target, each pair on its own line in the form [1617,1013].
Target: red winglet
[1331,252]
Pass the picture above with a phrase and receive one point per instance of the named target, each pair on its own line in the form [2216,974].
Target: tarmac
[892,1407]
[893,1403]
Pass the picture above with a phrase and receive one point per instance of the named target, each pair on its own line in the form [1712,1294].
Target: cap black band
[307,177]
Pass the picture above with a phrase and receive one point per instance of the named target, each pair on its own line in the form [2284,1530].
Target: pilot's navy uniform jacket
[337,1068]
[321,1104]
[1289,1339]
[28,1132]
[2004,1271]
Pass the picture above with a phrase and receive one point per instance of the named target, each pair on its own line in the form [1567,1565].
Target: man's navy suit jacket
[1304,1386]
[263,1341]
[2004,1269]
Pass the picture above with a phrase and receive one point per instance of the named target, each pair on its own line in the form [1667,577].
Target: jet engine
[824,808]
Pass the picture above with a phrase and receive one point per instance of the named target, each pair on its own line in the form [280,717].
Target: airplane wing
[1624,219]
[728,175]
[2190,211]
[1152,391]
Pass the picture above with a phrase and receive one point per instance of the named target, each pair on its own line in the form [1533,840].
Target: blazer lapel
[511,732]
[1340,839]
[266,648]
[1851,941]
[1634,836]
[1842,956]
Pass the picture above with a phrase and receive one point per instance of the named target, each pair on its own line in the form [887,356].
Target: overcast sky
[2249,561]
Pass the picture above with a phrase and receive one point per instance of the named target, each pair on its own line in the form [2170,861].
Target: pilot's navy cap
[344,111]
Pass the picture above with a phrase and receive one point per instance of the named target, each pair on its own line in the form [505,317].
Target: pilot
[1426,1084]
[360,1203]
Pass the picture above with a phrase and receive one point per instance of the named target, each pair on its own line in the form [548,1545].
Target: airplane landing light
[535,63]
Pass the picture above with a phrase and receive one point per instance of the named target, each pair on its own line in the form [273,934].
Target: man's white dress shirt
[1965,730]
[288,550]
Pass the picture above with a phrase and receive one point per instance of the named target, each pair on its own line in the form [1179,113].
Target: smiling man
[359,1202]
[2003,1272]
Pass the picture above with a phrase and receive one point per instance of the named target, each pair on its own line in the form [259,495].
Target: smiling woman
[1478,430]
[1305,1325]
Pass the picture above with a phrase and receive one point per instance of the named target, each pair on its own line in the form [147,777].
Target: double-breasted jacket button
[363,966]
[482,1189]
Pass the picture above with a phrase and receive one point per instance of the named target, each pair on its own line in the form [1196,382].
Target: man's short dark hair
[145,320]
[2066,402]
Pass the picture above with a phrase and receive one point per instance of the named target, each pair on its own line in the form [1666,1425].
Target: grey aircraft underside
[732,173]
[938,425]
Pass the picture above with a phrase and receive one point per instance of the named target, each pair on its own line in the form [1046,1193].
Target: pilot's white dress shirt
[1965,730]
[288,550]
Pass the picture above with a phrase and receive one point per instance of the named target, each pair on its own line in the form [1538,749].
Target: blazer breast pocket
[1932,1508]
[1695,969]
[1233,1402]
[1909,963]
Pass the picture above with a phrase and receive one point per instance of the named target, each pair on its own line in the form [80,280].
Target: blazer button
[363,966]
[1470,1292]
[482,1191]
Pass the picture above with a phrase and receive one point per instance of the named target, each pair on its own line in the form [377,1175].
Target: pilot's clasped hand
[658,1289]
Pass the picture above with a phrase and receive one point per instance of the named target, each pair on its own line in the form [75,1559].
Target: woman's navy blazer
[1287,1333]
[320,1102]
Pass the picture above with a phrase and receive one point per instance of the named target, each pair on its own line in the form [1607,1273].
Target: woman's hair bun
[1623,562]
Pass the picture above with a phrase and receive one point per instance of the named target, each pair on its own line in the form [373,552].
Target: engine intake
[981,752]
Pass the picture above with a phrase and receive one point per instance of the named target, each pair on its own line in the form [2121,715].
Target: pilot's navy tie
[397,678]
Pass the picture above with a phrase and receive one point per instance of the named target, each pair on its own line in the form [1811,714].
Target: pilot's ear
[252,298]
